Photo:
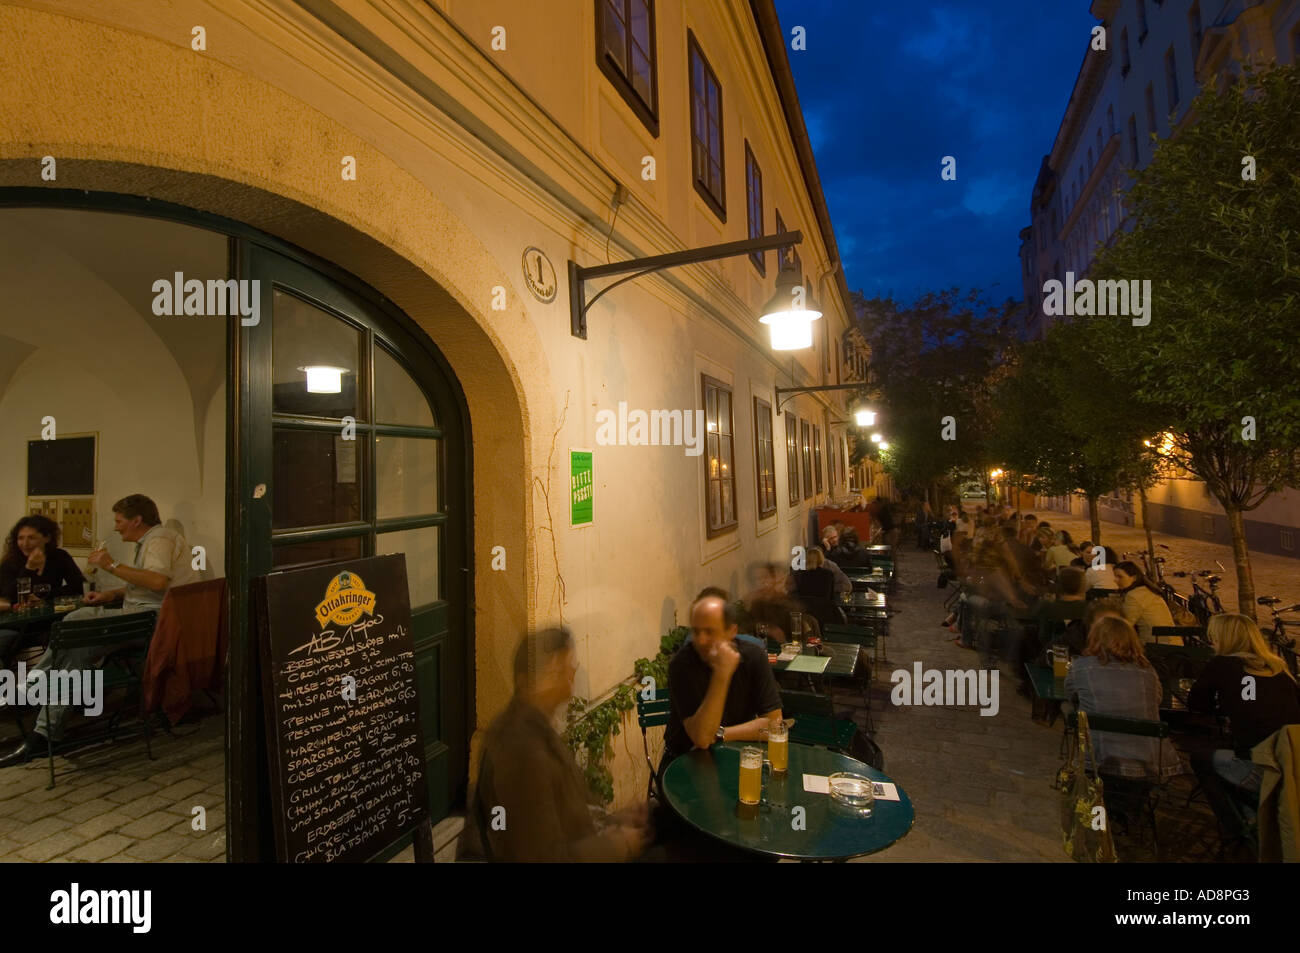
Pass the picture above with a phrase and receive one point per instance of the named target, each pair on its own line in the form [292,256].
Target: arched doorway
[402,485]
[374,461]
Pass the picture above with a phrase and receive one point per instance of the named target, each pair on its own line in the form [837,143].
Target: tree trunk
[1095,517]
[1241,556]
[1146,525]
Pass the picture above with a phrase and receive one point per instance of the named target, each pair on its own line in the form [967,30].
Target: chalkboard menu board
[347,767]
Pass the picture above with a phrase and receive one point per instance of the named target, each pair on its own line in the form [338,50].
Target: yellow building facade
[441,163]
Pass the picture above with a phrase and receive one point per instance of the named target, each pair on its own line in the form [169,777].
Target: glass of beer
[751,775]
[778,745]
[1060,662]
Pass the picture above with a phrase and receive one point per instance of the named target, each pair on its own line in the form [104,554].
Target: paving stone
[45,827]
[35,810]
[180,789]
[208,848]
[156,847]
[87,791]
[132,791]
[149,825]
[101,848]
[87,809]
[143,805]
[50,847]
[102,824]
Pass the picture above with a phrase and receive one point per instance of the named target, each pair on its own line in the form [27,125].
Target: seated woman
[1240,652]
[31,551]
[1114,678]
[1059,553]
[1143,605]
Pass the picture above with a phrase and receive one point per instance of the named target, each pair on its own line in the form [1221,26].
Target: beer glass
[751,775]
[1060,662]
[24,591]
[778,745]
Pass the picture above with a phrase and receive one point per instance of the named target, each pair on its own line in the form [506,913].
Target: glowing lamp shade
[323,379]
[865,418]
[790,314]
[791,330]
[884,445]
[876,438]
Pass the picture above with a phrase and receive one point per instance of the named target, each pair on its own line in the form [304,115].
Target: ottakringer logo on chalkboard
[346,598]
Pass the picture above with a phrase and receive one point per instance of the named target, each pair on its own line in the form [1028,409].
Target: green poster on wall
[581,488]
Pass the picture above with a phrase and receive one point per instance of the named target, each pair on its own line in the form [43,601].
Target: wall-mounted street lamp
[884,445]
[864,417]
[790,309]
[876,438]
[790,312]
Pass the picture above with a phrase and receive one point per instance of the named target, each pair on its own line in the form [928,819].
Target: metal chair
[653,713]
[126,640]
[1144,793]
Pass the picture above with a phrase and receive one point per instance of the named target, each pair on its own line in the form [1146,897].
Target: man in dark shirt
[531,800]
[720,688]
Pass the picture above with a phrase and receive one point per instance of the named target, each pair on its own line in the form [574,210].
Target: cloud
[889,90]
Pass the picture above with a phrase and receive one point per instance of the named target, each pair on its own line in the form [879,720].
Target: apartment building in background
[1158,54]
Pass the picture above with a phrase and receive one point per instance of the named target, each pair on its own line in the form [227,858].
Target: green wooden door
[354,444]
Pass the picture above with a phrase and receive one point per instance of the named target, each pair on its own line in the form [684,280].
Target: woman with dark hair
[31,551]
[1143,604]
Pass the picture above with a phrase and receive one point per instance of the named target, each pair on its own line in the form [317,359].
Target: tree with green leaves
[931,361]
[1067,423]
[1216,220]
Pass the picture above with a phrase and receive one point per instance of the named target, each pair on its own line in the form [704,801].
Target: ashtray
[852,792]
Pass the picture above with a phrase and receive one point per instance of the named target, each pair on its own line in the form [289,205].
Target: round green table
[703,788]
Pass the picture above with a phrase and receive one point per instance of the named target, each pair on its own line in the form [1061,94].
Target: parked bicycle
[1203,602]
[1155,571]
[1279,639]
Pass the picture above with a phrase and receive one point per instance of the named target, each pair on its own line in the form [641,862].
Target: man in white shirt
[162,560]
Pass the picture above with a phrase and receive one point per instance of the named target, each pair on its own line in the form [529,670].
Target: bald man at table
[719,688]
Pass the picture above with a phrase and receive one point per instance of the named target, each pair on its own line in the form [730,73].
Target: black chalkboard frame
[385,576]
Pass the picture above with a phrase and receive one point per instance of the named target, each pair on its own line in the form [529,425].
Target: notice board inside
[347,767]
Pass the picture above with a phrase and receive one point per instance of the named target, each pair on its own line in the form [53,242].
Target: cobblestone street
[111,803]
[982,786]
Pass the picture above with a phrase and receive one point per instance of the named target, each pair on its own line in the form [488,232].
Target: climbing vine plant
[590,732]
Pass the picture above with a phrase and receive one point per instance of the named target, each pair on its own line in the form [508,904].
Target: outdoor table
[1048,689]
[1051,690]
[703,788]
[878,602]
[22,620]
[841,661]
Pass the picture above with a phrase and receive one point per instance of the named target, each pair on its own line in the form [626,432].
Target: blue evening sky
[889,89]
